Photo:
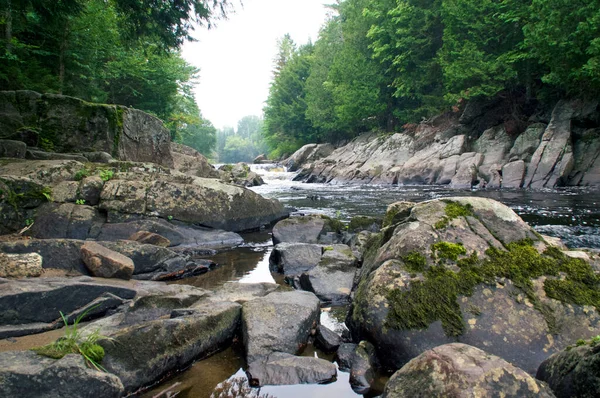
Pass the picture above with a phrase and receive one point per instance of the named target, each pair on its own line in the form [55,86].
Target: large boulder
[332,278]
[285,369]
[293,259]
[191,162]
[278,322]
[12,149]
[306,229]
[66,221]
[240,174]
[461,371]
[57,254]
[470,269]
[307,154]
[573,373]
[28,375]
[67,124]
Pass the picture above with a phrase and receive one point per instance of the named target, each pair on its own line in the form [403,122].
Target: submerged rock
[470,269]
[278,322]
[284,369]
[573,373]
[459,370]
[26,374]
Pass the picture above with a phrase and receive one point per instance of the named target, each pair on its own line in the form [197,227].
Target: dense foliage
[122,52]
[379,64]
[243,144]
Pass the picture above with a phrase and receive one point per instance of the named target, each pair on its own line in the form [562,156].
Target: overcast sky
[236,57]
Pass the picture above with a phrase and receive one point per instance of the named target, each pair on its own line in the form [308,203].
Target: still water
[571,214]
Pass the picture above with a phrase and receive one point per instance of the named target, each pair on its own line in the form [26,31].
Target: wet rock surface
[459,370]
[283,369]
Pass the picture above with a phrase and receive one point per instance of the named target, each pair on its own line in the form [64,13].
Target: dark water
[571,214]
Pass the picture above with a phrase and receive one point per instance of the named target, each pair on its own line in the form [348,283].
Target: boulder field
[481,146]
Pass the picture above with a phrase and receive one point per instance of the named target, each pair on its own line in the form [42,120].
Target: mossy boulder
[461,371]
[574,372]
[470,270]
[240,174]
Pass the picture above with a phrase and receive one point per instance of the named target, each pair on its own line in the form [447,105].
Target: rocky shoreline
[452,297]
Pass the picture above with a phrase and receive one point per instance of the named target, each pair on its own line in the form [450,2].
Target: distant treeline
[122,52]
[379,64]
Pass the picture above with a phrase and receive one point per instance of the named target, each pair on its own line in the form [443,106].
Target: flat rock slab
[278,322]
[242,292]
[25,374]
[150,238]
[460,370]
[293,259]
[106,263]
[286,369]
[41,299]
[144,352]
[305,229]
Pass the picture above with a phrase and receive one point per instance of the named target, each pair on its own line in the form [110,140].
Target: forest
[381,64]
[124,52]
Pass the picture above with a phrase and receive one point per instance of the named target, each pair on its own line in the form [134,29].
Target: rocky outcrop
[67,124]
[461,371]
[128,191]
[106,263]
[28,375]
[573,372]
[284,369]
[278,322]
[464,151]
[306,155]
[470,269]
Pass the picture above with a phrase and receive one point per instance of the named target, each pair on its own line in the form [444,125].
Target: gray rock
[494,144]
[65,221]
[308,153]
[98,157]
[106,263]
[90,189]
[468,166]
[12,149]
[28,375]
[242,292]
[20,265]
[513,174]
[286,369]
[364,368]
[327,340]
[573,372]
[332,279]
[191,162]
[59,254]
[586,150]
[294,258]
[240,174]
[304,229]
[526,143]
[459,370]
[41,299]
[344,355]
[65,191]
[142,353]
[278,322]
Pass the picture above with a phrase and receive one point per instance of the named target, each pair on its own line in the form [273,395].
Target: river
[572,214]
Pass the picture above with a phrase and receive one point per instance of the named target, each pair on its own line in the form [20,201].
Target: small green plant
[170,218]
[327,248]
[47,193]
[74,342]
[80,201]
[106,175]
[29,221]
[81,174]
[580,342]
[595,341]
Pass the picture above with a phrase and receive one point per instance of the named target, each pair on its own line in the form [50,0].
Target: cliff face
[476,148]
[65,124]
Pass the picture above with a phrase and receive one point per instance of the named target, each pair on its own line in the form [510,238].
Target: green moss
[333,224]
[361,223]
[81,174]
[453,210]
[435,297]
[447,250]
[327,248]
[227,167]
[415,262]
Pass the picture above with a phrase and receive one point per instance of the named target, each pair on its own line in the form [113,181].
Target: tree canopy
[379,64]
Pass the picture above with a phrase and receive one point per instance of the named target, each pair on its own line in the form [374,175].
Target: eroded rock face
[574,371]
[446,272]
[278,322]
[28,375]
[459,370]
[307,154]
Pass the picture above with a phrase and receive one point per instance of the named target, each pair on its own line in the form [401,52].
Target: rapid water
[571,214]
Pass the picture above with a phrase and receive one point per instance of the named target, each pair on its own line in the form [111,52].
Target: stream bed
[571,214]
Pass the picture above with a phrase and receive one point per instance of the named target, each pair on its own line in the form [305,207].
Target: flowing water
[571,214]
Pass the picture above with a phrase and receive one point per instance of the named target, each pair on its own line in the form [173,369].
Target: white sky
[236,57]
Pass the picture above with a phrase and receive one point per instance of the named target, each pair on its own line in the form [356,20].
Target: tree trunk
[8,26]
